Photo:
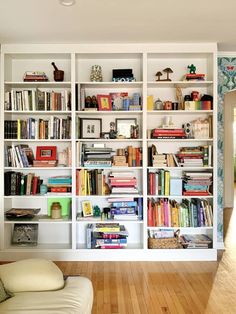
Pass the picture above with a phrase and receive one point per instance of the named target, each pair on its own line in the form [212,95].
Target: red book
[150,214]
[34,185]
[191,193]
[150,177]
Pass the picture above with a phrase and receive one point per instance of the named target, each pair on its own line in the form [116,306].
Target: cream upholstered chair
[38,286]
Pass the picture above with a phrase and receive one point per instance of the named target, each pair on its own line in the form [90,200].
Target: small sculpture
[168,71]
[113,132]
[58,74]
[159,74]
[192,69]
[96,73]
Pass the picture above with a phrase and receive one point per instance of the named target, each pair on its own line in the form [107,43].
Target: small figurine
[94,102]
[158,104]
[192,69]
[96,211]
[112,133]
[88,102]
[158,75]
[96,73]
[168,71]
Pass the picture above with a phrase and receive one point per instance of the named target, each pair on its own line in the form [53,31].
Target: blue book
[124,204]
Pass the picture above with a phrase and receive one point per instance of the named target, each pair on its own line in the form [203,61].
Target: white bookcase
[66,239]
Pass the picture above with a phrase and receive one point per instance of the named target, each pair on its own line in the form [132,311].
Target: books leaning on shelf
[185,213]
[106,236]
[18,156]
[123,183]
[17,183]
[37,100]
[53,128]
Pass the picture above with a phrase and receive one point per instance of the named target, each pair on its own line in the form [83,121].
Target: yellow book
[150,102]
[18,129]
[167,183]
[174,216]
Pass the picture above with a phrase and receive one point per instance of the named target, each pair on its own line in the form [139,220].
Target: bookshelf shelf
[66,238]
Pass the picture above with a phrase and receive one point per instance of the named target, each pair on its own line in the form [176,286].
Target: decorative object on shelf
[158,104]
[94,102]
[188,129]
[192,69]
[104,102]
[35,76]
[96,73]
[22,213]
[91,128]
[46,153]
[113,132]
[122,75]
[87,208]
[65,203]
[96,211]
[25,234]
[167,105]
[179,97]
[105,135]
[168,71]
[158,75]
[58,74]
[43,189]
[134,131]
[55,210]
[192,75]
[123,127]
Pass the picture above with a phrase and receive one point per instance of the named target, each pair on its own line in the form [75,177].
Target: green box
[65,205]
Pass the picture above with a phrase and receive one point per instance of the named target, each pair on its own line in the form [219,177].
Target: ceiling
[110,21]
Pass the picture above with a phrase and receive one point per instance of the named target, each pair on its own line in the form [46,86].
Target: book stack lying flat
[194,77]
[123,183]
[168,133]
[127,210]
[106,236]
[196,241]
[96,156]
[60,184]
[197,183]
[35,76]
[159,160]
[197,156]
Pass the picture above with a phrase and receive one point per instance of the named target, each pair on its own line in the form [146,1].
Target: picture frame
[87,208]
[105,135]
[123,126]
[90,128]
[104,102]
[46,153]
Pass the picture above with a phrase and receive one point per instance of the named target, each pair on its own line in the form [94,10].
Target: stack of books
[192,157]
[127,210]
[106,236]
[123,183]
[35,76]
[194,77]
[96,156]
[167,133]
[197,183]
[196,241]
[159,160]
[60,184]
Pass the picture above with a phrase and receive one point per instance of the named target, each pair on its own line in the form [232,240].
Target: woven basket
[166,243]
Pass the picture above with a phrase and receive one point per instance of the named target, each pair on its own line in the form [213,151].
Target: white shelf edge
[38,168]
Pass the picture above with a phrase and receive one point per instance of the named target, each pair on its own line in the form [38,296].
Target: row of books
[186,213]
[17,183]
[106,236]
[197,183]
[18,156]
[37,100]
[54,128]
[90,182]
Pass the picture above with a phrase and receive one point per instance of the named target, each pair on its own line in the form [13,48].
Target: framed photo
[90,128]
[87,208]
[46,153]
[104,102]
[123,126]
[105,135]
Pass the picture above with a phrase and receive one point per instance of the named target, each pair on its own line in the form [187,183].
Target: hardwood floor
[164,287]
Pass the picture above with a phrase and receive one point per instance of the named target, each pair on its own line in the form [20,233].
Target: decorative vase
[56,210]
[96,73]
